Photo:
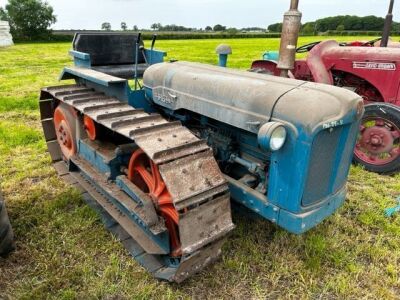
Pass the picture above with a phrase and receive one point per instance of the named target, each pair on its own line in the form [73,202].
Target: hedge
[67,36]
[356,33]
[178,36]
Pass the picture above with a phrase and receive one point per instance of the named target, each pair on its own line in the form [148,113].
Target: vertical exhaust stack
[290,34]
[388,25]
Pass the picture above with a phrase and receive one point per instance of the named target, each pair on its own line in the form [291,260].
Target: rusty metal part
[199,191]
[388,25]
[290,34]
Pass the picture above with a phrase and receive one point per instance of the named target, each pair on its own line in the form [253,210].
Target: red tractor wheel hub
[63,125]
[376,143]
[144,173]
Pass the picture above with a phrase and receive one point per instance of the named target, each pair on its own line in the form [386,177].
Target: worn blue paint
[299,223]
[271,55]
[223,60]
[81,59]
[109,167]
[154,56]
[296,223]
[94,76]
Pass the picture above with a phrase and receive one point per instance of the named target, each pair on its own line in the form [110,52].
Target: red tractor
[372,72]
[372,43]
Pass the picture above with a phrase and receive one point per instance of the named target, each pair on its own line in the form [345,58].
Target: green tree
[135,28]
[219,27]
[3,14]
[277,27]
[156,26]
[340,27]
[308,28]
[29,19]
[232,30]
[208,28]
[124,27]
[106,26]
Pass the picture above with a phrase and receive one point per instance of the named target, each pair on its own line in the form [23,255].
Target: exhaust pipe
[388,25]
[290,35]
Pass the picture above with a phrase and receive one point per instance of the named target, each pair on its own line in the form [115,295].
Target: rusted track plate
[205,224]
[198,261]
[196,174]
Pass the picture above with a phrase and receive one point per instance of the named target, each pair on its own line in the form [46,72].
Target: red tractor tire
[378,144]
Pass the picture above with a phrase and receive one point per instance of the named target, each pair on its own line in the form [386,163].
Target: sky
[90,14]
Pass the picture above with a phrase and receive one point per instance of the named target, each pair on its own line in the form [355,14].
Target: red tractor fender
[315,62]
[379,67]
[269,67]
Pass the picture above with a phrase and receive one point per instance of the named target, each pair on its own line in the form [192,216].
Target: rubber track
[6,232]
[186,163]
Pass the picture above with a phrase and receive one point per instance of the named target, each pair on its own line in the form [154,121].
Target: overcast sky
[90,14]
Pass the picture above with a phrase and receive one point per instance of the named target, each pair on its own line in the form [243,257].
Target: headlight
[272,136]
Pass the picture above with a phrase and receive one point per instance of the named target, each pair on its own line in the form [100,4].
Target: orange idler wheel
[90,127]
[144,173]
[65,126]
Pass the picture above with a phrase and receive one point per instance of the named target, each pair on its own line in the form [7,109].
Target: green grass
[63,251]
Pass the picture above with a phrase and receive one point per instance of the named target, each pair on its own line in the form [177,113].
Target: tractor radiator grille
[327,174]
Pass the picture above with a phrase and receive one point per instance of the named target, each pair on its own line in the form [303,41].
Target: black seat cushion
[108,48]
[122,71]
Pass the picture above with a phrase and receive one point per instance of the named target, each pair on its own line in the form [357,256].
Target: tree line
[178,28]
[32,19]
[340,23]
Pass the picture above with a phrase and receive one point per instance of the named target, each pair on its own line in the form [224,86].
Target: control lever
[139,38]
[153,41]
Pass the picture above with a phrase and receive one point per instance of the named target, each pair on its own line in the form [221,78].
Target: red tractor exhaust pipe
[388,25]
[290,35]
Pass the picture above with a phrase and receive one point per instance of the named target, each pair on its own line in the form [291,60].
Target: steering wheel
[371,43]
[307,48]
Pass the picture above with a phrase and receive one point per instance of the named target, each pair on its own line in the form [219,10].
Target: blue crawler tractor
[162,161]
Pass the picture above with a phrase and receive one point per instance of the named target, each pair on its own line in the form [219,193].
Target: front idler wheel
[378,144]
[65,126]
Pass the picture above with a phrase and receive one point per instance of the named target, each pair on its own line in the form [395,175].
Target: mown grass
[63,251]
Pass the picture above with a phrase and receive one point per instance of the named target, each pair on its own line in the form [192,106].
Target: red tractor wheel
[378,144]
[65,126]
[90,128]
[144,173]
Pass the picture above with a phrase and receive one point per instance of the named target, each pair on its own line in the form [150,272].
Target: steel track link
[188,168]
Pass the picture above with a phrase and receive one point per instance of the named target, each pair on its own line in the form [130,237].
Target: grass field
[63,251]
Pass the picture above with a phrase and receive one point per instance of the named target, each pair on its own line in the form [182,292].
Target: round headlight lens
[272,136]
[278,138]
